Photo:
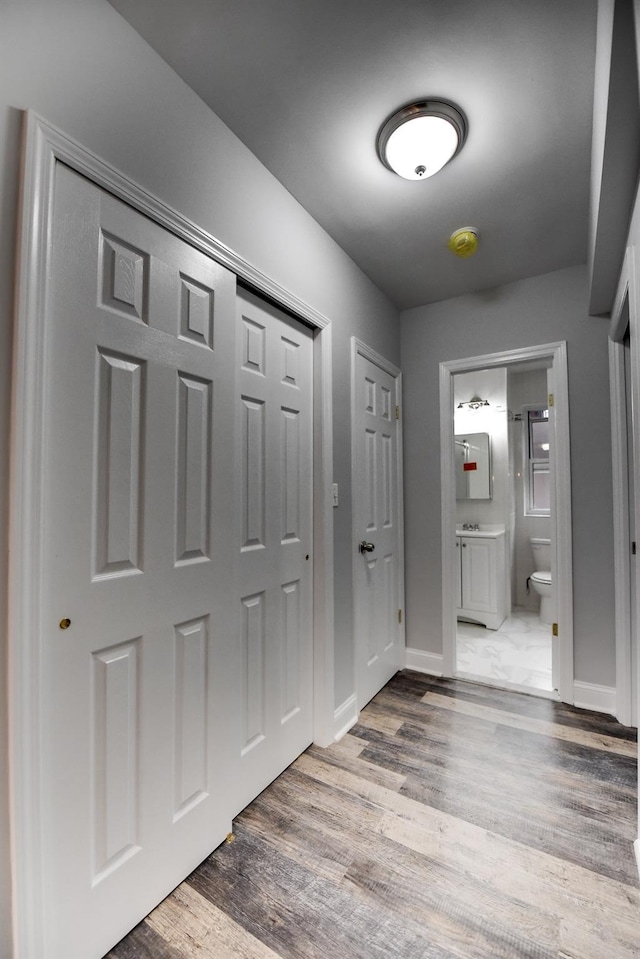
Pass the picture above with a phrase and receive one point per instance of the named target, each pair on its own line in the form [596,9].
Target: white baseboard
[423,662]
[344,717]
[602,699]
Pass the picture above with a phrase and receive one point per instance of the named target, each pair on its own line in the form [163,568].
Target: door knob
[365,547]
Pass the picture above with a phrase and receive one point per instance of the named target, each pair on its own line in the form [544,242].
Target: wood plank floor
[455,821]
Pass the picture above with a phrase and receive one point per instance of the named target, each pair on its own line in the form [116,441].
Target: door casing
[627,292]
[557,354]
[624,315]
[43,147]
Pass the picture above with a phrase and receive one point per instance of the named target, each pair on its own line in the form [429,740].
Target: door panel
[376,511]
[138,514]
[274,474]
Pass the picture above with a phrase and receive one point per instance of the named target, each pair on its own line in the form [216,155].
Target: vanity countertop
[485,532]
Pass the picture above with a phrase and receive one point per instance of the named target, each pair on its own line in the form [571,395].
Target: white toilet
[541,578]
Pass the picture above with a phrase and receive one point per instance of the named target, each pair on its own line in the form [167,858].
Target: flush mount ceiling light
[421,137]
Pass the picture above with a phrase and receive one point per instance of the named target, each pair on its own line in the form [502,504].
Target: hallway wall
[83,68]
[538,310]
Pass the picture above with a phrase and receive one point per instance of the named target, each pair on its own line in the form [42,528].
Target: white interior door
[377,516]
[136,621]
[275,490]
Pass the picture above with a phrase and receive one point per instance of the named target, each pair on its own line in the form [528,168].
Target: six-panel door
[274,490]
[376,583]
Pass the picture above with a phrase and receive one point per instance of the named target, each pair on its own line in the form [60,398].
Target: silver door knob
[365,547]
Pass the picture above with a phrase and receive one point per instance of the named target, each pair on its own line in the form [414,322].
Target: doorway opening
[506,527]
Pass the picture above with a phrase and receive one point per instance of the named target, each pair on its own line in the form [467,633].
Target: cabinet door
[478,566]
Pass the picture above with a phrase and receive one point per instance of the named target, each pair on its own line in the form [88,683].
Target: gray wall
[539,310]
[79,65]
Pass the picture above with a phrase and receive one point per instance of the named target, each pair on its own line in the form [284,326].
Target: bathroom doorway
[508,522]
[507,610]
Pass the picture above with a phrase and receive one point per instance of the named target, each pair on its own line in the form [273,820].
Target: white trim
[359,348]
[400,463]
[620,467]
[25,748]
[557,353]
[618,326]
[421,661]
[600,699]
[621,538]
[448,512]
[345,717]
[323,642]
[634,324]
[43,146]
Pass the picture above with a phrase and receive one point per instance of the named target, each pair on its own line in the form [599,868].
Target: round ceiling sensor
[464,242]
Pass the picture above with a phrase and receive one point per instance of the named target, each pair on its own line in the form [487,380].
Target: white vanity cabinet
[481,571]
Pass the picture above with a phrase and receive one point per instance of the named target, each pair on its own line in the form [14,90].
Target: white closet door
[138,512]
[378,636]
[274,543]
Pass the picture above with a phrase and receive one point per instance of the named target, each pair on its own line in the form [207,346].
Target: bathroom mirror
[472,453]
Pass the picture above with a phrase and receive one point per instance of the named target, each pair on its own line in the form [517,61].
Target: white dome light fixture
[420,138]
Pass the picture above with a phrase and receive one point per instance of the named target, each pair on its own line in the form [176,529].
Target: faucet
[471,527]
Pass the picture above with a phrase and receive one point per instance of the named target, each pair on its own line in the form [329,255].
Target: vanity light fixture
[420,138]
[473,404]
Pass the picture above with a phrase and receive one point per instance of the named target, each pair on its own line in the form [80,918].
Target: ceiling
[306,84]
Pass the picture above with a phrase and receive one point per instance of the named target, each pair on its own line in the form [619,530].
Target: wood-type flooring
[455,821]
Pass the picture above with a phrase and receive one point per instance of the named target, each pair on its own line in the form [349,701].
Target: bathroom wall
[490,385]
[523,388]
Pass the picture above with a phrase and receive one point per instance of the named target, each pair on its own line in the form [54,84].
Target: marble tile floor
[516,656]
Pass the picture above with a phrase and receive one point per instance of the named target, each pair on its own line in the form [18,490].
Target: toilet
[541,578]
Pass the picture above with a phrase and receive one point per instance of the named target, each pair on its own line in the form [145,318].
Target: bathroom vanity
[481,587]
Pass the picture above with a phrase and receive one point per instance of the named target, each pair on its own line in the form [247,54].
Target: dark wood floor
[455,821]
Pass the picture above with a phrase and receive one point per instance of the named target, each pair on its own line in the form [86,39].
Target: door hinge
[397,412]
[550,399]
[633,549]
[399,615]
[554,629]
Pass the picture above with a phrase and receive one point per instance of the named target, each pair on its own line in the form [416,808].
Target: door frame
[43,147]
[557,354]
[622,458]
[360,348]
